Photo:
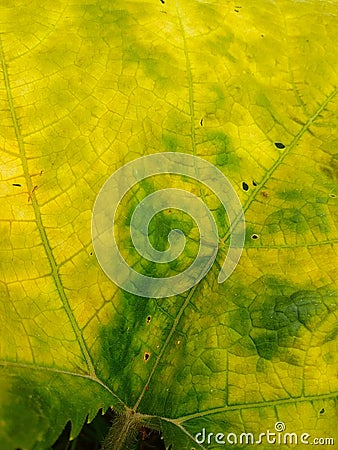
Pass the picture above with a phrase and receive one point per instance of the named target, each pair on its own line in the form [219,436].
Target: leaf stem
[123,431]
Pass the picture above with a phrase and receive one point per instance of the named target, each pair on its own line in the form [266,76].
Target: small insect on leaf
[32,192]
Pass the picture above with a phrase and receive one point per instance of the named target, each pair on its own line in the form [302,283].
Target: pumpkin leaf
[250,87]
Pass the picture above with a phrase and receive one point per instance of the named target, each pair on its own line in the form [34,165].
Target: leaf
[251,88]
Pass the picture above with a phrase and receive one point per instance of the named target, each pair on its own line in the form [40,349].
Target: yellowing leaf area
[251,87]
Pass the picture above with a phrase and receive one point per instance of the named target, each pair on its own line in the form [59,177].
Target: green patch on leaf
[87,88]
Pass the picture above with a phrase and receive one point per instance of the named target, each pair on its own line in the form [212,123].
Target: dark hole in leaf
[332,195]
[91,253]
[16,184]
[245,186]
[148,319]
[254,236]
[254,183]
[322,411]
[162,1]
[146,356]
[279,145]
[201,122]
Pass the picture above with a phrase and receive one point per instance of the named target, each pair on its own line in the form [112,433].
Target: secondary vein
[38,218]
